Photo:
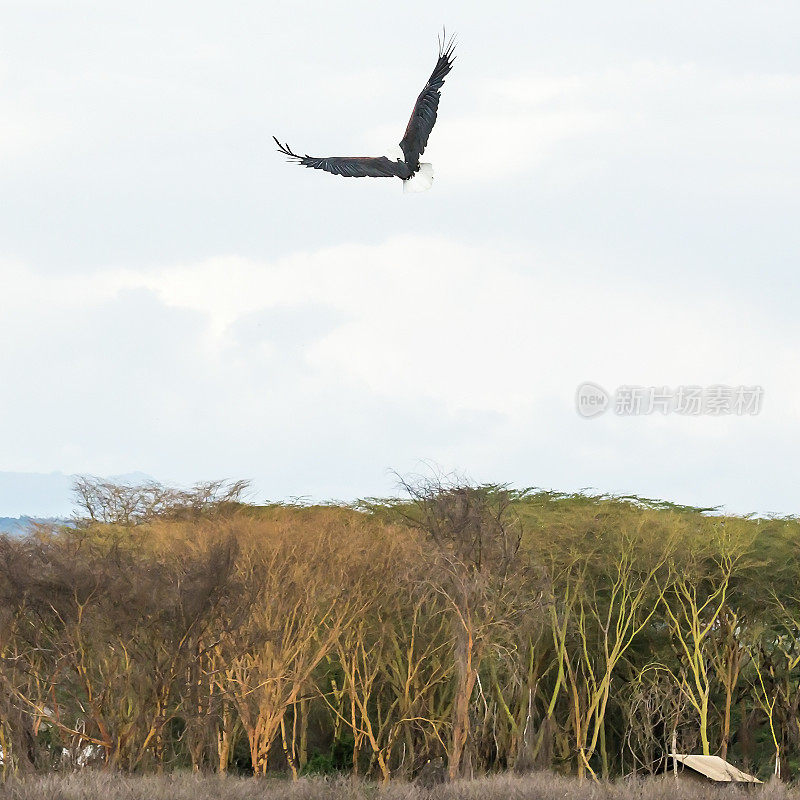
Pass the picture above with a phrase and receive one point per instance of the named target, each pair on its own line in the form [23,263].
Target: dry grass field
[538,786]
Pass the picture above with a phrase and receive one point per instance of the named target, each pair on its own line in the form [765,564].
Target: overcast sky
[616,201]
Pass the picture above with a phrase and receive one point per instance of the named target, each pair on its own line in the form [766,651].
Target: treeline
[492,628]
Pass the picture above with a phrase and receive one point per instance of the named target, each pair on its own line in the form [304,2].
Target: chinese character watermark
[717,400]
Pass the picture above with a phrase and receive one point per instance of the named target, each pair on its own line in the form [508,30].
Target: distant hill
[16,526]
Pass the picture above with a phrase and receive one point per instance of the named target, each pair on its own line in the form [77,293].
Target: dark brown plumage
[423,117]
[413,143]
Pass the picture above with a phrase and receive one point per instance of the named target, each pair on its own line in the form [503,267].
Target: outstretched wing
[355,167]
[423,117]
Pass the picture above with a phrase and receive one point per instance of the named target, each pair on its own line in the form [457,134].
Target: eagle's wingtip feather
[447,46]
[287,151]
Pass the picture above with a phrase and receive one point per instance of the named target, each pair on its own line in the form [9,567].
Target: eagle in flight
[416,176]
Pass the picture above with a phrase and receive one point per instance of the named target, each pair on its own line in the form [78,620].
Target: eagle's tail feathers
[421,180]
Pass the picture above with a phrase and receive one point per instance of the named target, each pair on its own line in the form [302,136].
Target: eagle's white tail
[421,180]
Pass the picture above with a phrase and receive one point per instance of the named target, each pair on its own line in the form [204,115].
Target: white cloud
[469,328]
[135,365]
[429,318]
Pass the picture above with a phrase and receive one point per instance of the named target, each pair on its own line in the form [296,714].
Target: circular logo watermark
[591,400]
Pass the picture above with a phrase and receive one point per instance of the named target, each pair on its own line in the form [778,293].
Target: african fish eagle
[416,176]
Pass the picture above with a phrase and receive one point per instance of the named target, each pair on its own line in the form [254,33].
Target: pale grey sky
[616,200]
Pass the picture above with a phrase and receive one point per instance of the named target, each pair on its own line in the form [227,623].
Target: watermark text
[716,400]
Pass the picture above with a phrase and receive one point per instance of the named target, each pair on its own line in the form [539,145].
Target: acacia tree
[300,607]
[418,675]
[116,503]
[17,743]
[518,669]
[729,656]
[694,603]
[390,658]
[360,654]
[476,538]
[653,707]
[785,636]
[113,630]
[776,686]
[614,604]
[500,629]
